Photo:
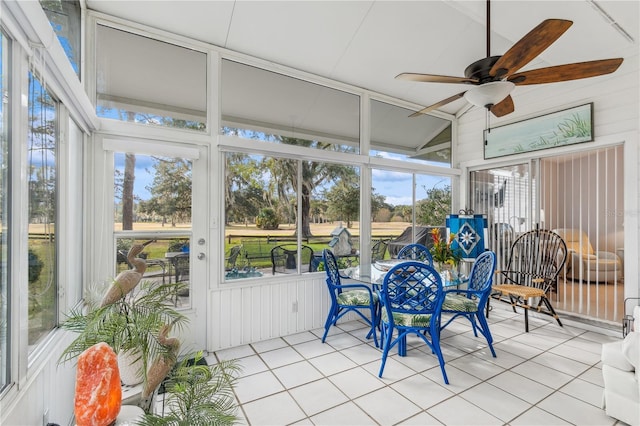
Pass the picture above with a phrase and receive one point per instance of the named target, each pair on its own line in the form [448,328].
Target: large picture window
[281,213]
[42,153]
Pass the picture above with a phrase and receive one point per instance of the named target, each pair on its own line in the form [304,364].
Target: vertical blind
[578,195]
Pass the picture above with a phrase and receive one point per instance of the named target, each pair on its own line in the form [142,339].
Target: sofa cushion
[612,355]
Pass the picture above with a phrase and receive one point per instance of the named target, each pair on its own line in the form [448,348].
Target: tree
[170,190]
[377,204]
[433,210]
[244,190]
[344,201]
[314,174]
[278,178]
[127,191]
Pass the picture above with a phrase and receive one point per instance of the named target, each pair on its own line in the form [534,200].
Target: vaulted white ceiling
[367,43]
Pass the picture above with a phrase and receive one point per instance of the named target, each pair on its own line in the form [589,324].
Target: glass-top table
[375,272]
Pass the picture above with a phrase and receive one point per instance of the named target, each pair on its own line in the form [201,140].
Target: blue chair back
[412,287]
[411,298]
[471,302]
[417,252]
[345,298]
[481,276]
[332,270]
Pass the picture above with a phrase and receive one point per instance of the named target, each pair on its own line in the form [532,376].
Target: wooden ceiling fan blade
[566,72]
[503,107]
[434,78]
[529,46]
[438,104]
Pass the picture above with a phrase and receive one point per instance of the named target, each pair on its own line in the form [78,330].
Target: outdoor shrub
[267,219]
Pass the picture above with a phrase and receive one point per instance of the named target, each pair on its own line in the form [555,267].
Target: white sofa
[621,373]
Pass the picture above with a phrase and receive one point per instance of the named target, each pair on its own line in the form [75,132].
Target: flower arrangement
[442,252]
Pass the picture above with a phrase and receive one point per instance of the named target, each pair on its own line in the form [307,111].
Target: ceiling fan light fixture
[489,94]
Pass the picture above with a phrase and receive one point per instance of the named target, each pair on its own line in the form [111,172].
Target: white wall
[238,315]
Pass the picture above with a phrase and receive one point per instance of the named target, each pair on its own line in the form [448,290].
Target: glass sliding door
[580,197]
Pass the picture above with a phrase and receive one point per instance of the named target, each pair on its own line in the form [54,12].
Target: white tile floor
[549,376]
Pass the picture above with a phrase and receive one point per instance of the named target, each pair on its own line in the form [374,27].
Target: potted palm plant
[198,394]
[131,325]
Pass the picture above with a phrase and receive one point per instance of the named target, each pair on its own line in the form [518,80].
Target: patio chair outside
[351,297]
[470,302]
[417,252]
[180,264]
[535,260]
[378,250]
[284,259]
[411,299]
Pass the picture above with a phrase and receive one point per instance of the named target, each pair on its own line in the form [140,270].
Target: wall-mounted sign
[566,127]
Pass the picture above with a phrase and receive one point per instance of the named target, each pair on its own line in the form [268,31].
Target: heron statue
[161,366]
[126,281]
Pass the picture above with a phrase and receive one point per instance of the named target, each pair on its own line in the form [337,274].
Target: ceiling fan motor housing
[479,70]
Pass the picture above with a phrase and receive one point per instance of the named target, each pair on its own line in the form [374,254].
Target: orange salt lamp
[98,393]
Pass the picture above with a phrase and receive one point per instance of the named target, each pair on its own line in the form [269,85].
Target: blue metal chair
[471,303]
[411,299]
[416,252]
[347,298]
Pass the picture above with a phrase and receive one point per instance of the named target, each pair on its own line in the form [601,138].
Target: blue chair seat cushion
[407,320]
[356,298]
[459,303]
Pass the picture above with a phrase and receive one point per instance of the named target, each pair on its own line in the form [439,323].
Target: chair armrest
[607,255]
[356,286]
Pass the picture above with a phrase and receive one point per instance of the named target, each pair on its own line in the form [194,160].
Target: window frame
[5,295]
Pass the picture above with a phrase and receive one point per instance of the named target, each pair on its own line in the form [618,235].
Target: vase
[130,366]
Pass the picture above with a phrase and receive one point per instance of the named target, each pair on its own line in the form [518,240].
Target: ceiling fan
[494,77]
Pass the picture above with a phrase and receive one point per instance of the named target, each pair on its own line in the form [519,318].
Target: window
[152,205]
[271,107]
[64,17]
[42,152]
[4,209]
[131,68]
[424,139]
[400,200]
[270,201]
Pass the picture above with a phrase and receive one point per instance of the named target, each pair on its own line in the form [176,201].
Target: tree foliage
[344,201]
[170,191]
[433,210]
[278,179]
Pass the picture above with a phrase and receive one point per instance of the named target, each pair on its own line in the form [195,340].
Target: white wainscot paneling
[251,313]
